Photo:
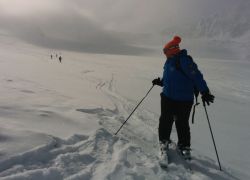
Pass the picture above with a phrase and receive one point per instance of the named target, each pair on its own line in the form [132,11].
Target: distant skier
[181,77]
[60,59]
[51,56]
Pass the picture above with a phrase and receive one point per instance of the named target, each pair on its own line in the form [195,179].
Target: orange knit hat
[172,47]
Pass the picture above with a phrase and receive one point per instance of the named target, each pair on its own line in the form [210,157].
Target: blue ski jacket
[181,76]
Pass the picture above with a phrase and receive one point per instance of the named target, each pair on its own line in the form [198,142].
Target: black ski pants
[178,112]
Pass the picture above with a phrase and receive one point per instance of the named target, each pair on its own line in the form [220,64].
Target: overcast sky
[101,26]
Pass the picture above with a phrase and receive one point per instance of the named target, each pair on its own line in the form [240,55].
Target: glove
[207,97]
[157,81]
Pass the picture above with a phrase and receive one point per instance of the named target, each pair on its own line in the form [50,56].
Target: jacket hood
[183,52]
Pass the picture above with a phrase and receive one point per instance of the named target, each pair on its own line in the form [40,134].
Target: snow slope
[58,120]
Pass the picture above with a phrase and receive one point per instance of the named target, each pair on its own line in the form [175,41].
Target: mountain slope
[64,115]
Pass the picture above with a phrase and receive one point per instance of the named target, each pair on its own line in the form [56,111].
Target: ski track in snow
[111,119]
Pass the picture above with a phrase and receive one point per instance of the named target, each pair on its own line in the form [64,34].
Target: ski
[165,154]
[164,166]
[188,165]
[186,157]
[172,151]
[164,158]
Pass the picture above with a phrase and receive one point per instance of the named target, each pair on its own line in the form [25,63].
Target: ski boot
[185,152]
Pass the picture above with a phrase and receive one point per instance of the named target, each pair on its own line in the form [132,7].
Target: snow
[57,120]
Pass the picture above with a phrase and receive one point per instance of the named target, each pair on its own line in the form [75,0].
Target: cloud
[67,29]
[103,26]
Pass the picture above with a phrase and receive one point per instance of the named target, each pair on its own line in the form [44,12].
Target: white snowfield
[57,120]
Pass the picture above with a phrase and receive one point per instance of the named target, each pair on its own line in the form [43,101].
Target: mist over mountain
[223,35]
[234,25]
[214,29]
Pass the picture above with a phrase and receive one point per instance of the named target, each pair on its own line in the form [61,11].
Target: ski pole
[134,110]
[196,104]
[212,135]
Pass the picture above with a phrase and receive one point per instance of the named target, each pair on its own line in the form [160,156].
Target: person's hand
[157,81]
[207,97]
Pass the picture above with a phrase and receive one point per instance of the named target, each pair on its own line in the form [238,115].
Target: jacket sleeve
[190,68]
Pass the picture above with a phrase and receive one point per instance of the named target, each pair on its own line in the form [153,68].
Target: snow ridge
[99,156]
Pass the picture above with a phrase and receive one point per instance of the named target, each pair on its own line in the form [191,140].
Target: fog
[103,26]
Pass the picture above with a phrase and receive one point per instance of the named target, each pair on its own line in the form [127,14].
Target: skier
[181,77]
[60,59]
